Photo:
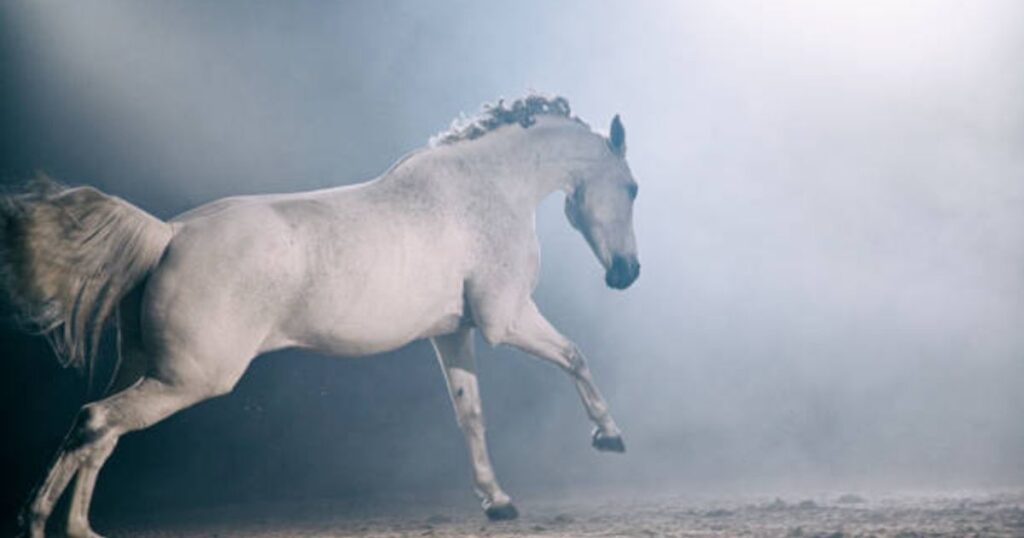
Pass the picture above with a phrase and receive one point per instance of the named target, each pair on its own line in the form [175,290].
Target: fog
[830,222]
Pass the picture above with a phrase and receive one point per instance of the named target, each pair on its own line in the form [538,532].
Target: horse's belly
[377,320]
[381,284]
[371,338]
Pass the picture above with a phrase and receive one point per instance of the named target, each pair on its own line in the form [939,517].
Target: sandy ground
[831,516]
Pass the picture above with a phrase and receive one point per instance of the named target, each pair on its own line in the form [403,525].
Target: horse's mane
[523,111]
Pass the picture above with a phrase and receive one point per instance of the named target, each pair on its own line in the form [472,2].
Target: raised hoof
[502,512]
[607,443]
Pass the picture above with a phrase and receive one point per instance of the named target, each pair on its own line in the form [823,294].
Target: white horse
[439,245]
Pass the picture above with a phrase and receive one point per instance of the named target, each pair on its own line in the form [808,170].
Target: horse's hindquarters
[216,297]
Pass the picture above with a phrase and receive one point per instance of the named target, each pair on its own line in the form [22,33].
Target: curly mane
[522,111]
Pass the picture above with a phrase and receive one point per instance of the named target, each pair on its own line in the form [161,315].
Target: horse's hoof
[608,443]
[503,512]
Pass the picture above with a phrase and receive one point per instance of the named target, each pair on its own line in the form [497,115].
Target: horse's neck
[521,167]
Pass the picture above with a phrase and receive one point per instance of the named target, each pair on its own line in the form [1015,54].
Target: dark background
[831,224]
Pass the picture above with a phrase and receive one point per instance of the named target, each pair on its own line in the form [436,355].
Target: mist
[830,222]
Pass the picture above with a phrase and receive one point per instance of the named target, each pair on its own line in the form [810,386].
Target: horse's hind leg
[81,496]
[130,370]
[46,495]
[93,437]
[455,353]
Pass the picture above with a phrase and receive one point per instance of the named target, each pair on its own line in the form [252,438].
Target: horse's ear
[617,137]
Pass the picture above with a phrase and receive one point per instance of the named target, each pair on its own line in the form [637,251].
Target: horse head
[600,206]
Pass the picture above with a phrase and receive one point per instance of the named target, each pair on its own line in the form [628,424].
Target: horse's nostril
[622,272]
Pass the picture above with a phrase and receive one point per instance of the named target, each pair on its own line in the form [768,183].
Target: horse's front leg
[455,353]
[532,333]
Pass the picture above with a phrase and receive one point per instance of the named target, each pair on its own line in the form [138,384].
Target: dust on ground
[832,516]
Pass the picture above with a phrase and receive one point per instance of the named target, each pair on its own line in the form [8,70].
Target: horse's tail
[69,255]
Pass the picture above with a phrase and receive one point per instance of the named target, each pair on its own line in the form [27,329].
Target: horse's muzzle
[622,273]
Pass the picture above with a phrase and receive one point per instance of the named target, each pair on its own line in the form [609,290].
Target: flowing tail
[67,258]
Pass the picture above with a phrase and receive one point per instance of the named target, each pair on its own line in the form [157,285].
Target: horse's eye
[632,190]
